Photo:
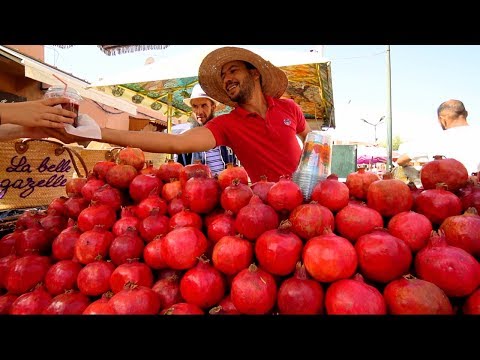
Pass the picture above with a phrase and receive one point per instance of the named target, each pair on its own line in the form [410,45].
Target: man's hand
[37,113]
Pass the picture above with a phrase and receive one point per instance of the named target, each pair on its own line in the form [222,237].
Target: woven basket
[33,172]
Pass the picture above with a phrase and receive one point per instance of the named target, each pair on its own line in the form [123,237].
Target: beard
[246,91]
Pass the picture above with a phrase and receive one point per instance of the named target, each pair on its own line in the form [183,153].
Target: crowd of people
[262,131]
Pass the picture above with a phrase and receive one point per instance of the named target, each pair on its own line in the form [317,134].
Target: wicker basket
[33,172]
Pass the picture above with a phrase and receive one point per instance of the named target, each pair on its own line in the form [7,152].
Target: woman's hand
[37,113]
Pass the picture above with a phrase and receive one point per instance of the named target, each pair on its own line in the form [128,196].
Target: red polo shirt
[264,146]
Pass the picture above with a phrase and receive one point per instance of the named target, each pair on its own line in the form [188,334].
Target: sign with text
[33,173]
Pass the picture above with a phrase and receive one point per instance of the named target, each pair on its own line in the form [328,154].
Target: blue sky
[422,76]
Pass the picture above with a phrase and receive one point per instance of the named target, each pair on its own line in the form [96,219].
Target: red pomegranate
[357,219]
[6,302]
[109,196]
[57,206]
[171,190]
[152,254]
[153,201]
[195,170]
[285,195]
[175,205]
[185,218]
[451,172]
[253,291]
[309,220]
[411,296]
[31,303]
[331,193]
[120,176]
[472,304]
[96,215]
[4,268]
[131,272]
[224,307]
[93,245]
[470,196]
[67,303]
[230,173]
[131,156]
[382,257]
[62,276]
[73,186]
[222,225]
[168,290]
[100,306]
[127,246]
[33,241]
[329,257]
[235,196]
[169,170]
[182,309]
[261,188]
[354,297]
[135,299]
[278,250]
[411,227]
[144,185]
[75,205]
[231,254]
[7,243]
[92,185]
[452,269]
[200,194]
[127,219]
[256,218]
[299,295]
[438,204]
[463,231]
[203,285]
[359,181]
[25,273]
[94,278]
[154,225]
[389,196]
[63,245]
[182,246]
[101,168]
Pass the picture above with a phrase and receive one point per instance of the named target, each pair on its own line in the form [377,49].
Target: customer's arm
[196,139]
[403,160]
[36,113]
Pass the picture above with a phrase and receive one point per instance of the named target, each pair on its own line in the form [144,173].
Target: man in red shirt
[261,129]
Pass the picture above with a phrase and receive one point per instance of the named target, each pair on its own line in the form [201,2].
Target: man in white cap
[262,128]
[203,107]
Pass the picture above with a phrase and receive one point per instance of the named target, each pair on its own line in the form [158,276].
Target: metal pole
[389,111]
[169,118]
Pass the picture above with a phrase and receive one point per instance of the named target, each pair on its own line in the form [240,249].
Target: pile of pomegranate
[134,239]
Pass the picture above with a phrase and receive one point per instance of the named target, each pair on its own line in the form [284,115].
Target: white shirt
[459,143]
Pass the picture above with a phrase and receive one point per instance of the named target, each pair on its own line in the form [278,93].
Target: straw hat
[274,80]
[197,93]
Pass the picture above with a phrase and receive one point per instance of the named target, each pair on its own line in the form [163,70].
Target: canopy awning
[162,85]
[42,72]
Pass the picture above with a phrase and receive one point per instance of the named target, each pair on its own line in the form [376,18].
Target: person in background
[27,118]
[262,128]
[203,108]
[458,140]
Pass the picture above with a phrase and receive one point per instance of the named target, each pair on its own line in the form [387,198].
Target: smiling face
[203,108]
[238,81]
